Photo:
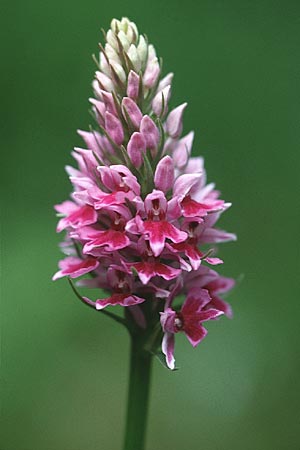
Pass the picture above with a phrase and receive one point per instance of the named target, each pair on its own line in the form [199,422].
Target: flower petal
[195,334]
[118,299]
[75,267]
[167,347]
[111,240]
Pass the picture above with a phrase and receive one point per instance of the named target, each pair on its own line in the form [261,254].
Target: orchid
[189,320]
[141,217]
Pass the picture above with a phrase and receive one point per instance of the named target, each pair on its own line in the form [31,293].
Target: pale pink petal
[99,109]
[195,165]
[184,183]
[174,121]
[160,101]
[174,208]
[92,139]
[89,159]
[166,81]
[104,81]
[213,235]
[168,349]
[183,149]
[66,207]
[134,225]
[214,261]
[167,320]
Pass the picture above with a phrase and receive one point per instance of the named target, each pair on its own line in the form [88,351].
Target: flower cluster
[141,216]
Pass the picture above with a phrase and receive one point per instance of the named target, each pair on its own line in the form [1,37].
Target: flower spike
[141,218]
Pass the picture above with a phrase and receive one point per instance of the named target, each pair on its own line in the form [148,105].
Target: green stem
[138,396]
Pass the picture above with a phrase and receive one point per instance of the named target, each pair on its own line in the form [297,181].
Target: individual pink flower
[188,320]
[75,267]
[75,216]
[119,184]
[209,279]
[121,286]
[157,227]
[110,240]
[151,266]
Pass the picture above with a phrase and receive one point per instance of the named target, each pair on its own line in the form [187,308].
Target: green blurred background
[64,367]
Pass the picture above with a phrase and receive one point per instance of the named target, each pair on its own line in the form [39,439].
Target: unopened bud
[142,49]
[132,111]
[114,128]
[174,121]
[104,81]
[135,148]
[160,102]
[150,132]
[133,85]
[152,69]
[134,57]
[124,41]
[164,174]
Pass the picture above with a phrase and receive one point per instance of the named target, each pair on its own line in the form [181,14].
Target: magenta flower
[121,286]
[151,266]
[188,320]
[156,227]
[141,221]
[75,267]
[75,216]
